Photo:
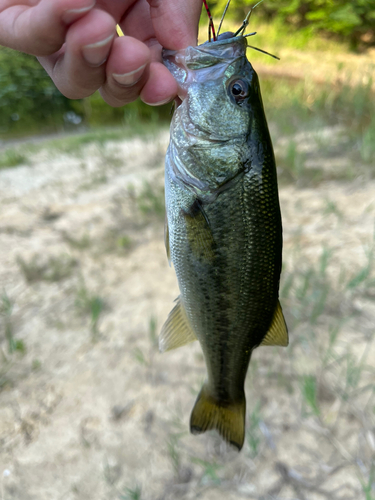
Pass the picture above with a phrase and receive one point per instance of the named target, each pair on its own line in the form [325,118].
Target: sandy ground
[95,413]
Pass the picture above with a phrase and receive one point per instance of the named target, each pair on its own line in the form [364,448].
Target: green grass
[305,102]
[12,158]
[124,242]
[309,393]
[254,436]
[91,305]
[115,240]
[53,269]
[310,107]
[81,243]
[6,310]
[153,332]
[73,144]
[140,357]
[210,471]
[174,452]
[150,201]
[272,36]
[132,493]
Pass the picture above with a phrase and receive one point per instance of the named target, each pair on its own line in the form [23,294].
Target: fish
[223,229]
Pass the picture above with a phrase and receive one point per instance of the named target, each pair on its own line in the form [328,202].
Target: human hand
[76,42]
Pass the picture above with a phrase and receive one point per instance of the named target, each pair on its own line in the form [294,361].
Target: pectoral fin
[199,234]
[176,331]
[278,332]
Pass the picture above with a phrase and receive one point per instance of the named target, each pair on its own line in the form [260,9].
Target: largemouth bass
[223,226]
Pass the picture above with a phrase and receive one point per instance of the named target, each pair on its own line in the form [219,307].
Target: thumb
[176,22]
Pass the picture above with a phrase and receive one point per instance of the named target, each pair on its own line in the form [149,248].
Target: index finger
[39,29]
[176,22]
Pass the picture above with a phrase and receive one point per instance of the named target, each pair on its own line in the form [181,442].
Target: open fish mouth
[205,62]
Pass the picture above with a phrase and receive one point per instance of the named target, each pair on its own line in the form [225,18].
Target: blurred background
[89,409]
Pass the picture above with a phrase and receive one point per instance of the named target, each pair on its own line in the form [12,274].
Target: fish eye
[239,89]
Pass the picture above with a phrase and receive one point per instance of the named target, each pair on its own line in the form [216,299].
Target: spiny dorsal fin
[199,234]
[278,331]
[166,238]
[176,331]
[227,418]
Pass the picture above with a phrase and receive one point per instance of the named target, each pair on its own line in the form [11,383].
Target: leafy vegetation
[12,158]
[30,102]
[27,95]
[342,18]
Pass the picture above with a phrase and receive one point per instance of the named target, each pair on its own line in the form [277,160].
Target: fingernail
[131,78]
[72,14]
[160,103]
[96,53]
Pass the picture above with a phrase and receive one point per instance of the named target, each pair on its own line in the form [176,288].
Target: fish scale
[223,226]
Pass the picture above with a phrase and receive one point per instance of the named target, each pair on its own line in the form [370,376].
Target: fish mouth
[207,61]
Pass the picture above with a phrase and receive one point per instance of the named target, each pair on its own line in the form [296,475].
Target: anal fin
[176,331]
[278,331]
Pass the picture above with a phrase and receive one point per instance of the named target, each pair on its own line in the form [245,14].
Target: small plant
[80,243]
[210,470]
[331,208]
[309,393]
[173,452]
[124,242]
[36,365]
[140,357]
[132,493]
[153,332]
[151,201]
[6,309]
[54,269]
[365,273]
[254,435]
[368,486]
[367,144]
[353,374]
[92,305]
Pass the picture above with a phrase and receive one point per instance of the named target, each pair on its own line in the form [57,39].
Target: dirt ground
[89,409]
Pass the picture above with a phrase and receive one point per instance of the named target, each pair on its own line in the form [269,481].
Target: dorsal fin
[278,331]
[176,331]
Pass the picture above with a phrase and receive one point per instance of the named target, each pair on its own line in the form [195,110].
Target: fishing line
[211,26]
[264,52]
[246,20]
[222,17]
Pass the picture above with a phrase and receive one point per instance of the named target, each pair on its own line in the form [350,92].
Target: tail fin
[227,419]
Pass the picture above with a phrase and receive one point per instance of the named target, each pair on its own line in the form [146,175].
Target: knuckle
[117,98]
